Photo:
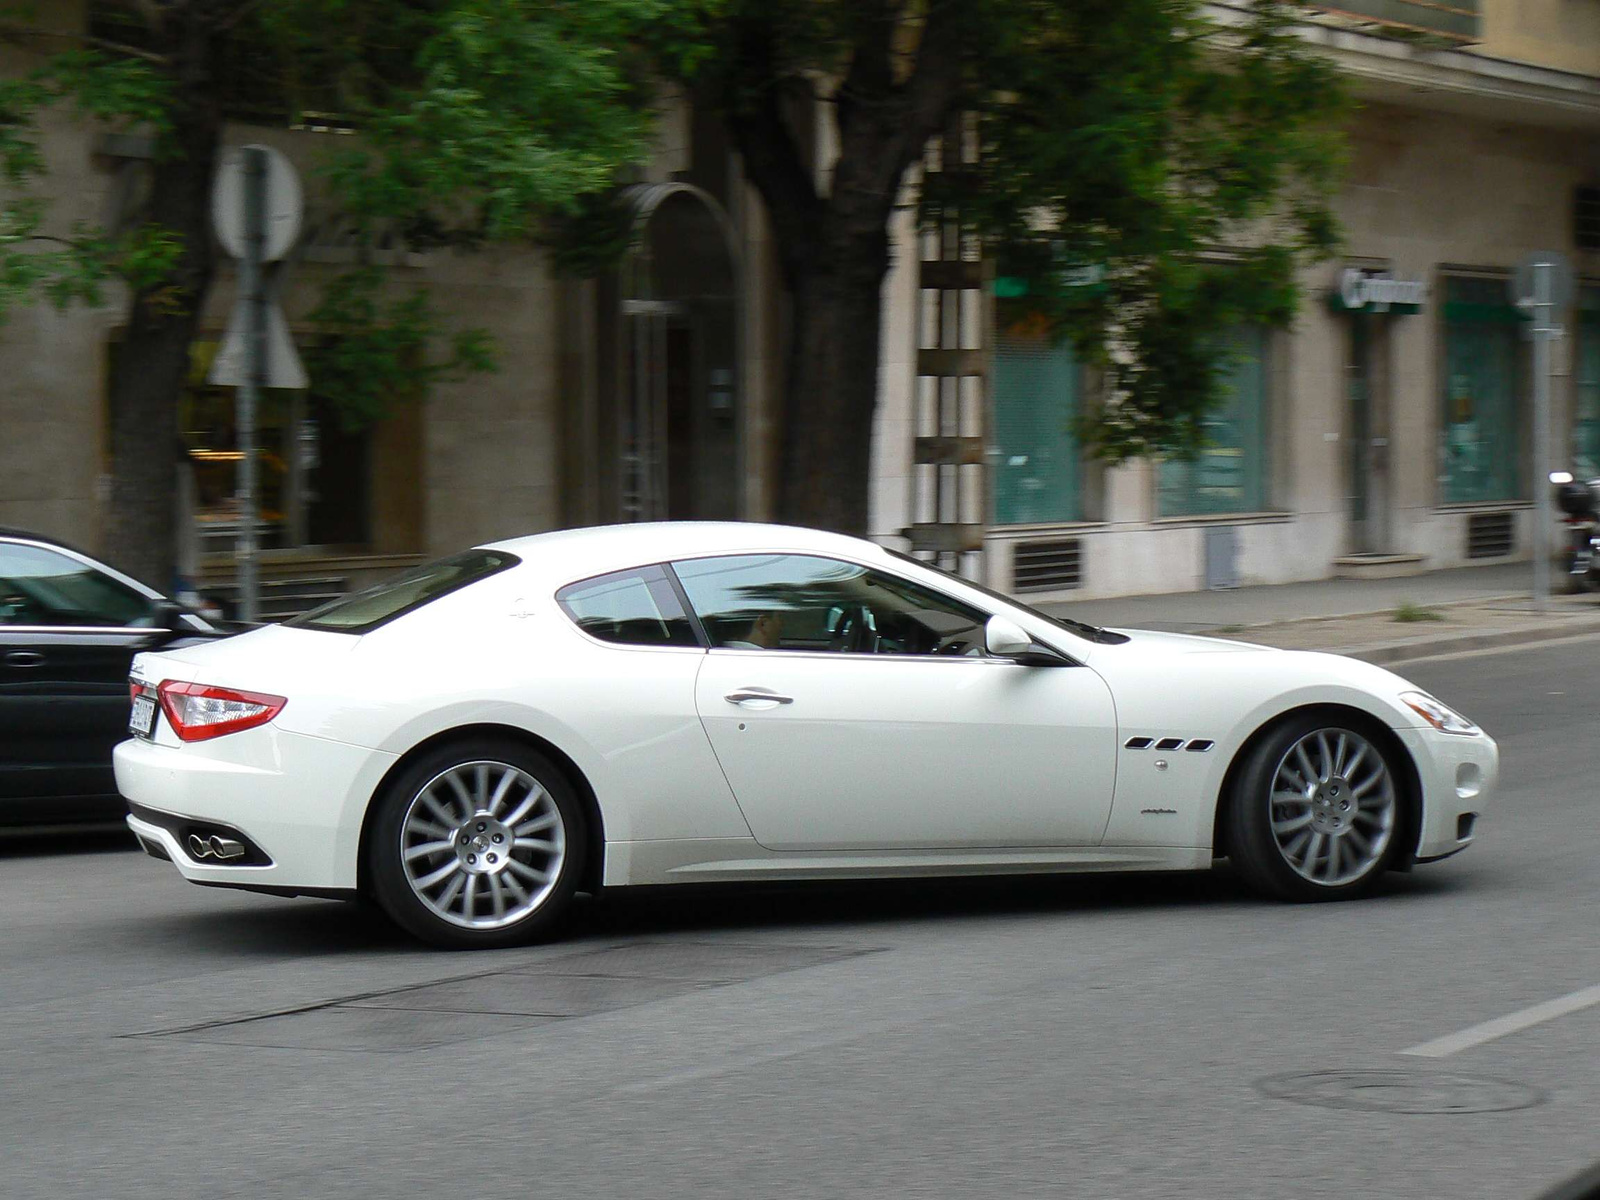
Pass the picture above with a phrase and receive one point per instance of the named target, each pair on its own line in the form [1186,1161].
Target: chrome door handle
[24,658]
[754,695]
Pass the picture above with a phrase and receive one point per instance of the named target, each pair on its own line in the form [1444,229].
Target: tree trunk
[832,384]
[834,244]
[152,363]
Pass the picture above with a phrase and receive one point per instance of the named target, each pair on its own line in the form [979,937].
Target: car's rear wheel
[1316,810]
[477,844]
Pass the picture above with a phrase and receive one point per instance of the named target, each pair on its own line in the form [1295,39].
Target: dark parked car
[69,628]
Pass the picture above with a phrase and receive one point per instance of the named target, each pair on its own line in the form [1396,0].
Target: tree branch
[13,32]
[239,14]
[930,93]
[880,143]
[771,159]
[870,78]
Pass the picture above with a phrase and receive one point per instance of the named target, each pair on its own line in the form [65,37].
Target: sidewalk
[1471,608]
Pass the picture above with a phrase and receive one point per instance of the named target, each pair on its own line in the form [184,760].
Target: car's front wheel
[477,844]
[1316,810]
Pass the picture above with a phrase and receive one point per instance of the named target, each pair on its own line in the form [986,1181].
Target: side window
[801,602]
[43,587]
[636,608]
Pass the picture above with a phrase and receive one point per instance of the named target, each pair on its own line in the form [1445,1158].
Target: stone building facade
[1388,429]
[1375,435]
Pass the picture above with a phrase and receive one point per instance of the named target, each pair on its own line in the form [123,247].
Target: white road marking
[1511,1023]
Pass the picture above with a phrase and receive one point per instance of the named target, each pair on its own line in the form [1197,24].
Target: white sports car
[475,741]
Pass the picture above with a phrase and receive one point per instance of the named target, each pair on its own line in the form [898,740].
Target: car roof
[99,564]
[594,550]
[44,539]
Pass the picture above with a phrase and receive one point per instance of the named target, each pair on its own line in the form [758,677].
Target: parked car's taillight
[199,711]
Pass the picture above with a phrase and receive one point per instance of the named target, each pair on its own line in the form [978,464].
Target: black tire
[1254,847]
[393,889]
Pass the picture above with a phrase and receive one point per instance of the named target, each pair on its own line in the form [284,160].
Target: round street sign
[1524,284]
[282,204]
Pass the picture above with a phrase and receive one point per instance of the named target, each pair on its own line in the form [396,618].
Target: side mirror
[1004,638]
[166,622]
[169,616]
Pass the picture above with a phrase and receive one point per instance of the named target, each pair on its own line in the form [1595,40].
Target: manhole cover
[1401,1092]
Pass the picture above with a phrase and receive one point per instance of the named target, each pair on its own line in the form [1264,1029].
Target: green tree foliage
[1185,167]
[476,121]
[376,350]
[71,265]
[1181,167]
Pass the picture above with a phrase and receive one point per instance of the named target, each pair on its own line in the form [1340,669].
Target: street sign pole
[253,284]
[1543,330]
[1542,284]
[256,209]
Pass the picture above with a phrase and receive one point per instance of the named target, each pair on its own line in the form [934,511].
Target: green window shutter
[1481,422]
[1036,469]
[1586,420]
[1230,475]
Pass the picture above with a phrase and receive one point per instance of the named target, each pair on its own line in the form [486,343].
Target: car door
[68,633]
[853,709]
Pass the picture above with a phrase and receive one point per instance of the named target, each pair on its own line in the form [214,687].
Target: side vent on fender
[1138,743]
[1169,743]
[1199,745]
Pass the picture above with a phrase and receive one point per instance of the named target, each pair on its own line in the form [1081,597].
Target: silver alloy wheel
[1333,806]
[482,844]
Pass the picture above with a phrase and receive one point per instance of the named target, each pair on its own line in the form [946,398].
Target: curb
[1354,616]
[1384,653]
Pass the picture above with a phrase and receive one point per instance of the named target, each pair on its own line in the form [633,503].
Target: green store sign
[1361,290]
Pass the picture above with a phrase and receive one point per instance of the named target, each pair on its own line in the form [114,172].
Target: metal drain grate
[1394,1091]
[1490,535]
[1047,566]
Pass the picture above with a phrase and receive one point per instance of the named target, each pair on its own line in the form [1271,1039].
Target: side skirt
[711,860]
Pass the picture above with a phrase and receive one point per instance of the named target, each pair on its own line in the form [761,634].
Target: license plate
[143,717]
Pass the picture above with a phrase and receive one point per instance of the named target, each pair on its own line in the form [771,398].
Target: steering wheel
[853,632]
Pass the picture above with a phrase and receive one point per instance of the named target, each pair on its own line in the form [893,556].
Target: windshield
[1081,629]
[373,606]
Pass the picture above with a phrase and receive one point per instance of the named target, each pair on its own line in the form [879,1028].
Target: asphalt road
[1105,1037]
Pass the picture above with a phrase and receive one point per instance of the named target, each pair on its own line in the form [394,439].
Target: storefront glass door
[1230,474]
[1481,441]
[1035,455]
[1586,416]
[313,477]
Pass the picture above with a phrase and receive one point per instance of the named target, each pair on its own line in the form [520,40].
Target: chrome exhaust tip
[215,846]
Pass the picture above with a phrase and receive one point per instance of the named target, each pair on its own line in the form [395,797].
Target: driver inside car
[763,634]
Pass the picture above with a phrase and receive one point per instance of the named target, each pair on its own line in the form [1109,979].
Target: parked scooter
[1579,501]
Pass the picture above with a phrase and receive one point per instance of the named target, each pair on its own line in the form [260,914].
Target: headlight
[1441,716]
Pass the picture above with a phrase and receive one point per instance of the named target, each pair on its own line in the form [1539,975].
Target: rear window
[371,607]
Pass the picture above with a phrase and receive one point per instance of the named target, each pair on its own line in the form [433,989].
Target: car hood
[1152,641]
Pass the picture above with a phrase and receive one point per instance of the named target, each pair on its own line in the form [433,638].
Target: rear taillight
[199,711]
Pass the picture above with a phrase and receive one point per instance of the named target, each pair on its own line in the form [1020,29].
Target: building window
[1036,459]
[1230,474]
[1481,443]
[1586,416]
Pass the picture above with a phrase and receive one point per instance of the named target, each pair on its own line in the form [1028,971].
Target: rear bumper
[301,800]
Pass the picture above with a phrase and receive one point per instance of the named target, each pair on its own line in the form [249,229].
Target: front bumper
[1458,776]
[299,800]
